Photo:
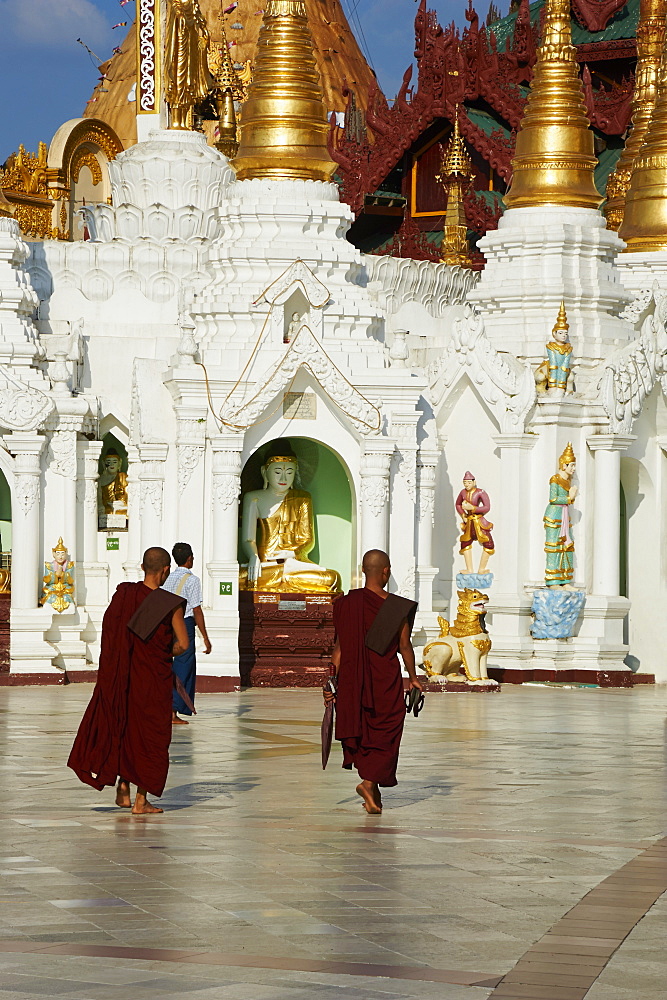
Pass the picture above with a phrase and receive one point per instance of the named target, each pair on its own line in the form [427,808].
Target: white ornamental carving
[151,490]
[297,275]
[147,33]
[631,372]
[22,408]
[408,586]
[27,492]
[375,494]
[86,495]
[62,454]
[426,505]
[304,352]
[226,490]
[188,460]
[435,286]
[504,383]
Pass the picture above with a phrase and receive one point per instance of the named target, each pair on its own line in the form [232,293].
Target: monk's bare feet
[142,807]
[123,795]
[176,721]
[365,790]
[377,796]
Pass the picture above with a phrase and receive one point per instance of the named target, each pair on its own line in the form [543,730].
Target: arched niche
[324,475]
[111,446]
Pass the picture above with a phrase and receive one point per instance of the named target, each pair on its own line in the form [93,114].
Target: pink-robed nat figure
[472,504]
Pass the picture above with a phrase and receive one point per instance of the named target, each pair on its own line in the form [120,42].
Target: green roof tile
[622,25]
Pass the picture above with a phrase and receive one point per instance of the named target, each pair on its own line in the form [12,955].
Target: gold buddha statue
[278,533]
[112,497]
[187,76]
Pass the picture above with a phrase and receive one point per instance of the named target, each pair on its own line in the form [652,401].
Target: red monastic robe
[126,729]
[370,705]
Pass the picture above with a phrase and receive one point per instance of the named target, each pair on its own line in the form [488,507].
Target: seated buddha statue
[278,532]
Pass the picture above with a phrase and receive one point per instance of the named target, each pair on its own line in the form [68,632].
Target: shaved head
[375,563]
[155,560]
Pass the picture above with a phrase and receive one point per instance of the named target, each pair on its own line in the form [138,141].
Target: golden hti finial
[650,43]
[567,457]
[284,125]
[644,226]
[228,89]
[455,176]
[561,321]
[554,160]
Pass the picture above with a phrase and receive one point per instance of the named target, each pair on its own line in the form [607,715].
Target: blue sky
[46,77]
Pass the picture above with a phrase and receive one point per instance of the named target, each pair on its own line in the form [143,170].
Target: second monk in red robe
[372,627]
[126,729]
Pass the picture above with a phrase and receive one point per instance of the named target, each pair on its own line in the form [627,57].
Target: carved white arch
[22,407]
[504,384]
[305,351]
[297,275]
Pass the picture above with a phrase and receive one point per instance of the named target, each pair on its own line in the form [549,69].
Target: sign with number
[113,544]
[225,589]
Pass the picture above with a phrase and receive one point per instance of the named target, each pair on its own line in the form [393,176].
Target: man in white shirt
[185,584]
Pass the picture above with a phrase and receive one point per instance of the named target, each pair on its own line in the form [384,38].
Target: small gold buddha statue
[187,76]
[278,532]
[112,492]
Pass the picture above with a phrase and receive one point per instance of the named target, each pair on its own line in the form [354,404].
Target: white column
[26,561]
[607,450]
[509,565]
[223,565]
[92,576]
[131,566]
[151,482]
[427,467]
[374,495]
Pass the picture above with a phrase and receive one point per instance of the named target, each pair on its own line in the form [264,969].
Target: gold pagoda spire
[554,158]
[227,90]
[455,176]
[283,123]
[6,207]
[644,224]
[650,42]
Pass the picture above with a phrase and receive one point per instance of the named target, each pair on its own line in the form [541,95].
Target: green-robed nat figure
[559,545]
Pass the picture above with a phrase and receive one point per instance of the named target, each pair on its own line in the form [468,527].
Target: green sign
[225,589]
[113,544]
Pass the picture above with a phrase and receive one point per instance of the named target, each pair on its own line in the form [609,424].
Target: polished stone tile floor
[264,879]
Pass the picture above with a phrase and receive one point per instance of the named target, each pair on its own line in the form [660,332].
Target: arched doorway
[5,569]
[286,635]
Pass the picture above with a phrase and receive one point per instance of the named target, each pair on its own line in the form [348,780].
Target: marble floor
[521,856]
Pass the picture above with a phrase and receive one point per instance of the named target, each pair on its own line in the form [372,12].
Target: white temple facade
[170,335]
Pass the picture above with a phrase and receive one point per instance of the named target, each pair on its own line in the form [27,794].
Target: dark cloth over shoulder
[387,623]
[153,611]
[126,729]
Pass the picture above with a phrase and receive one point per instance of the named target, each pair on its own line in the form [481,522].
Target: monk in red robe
[126,729]
[372,627]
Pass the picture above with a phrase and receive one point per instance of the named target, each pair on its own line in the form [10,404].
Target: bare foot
[123,795]
[377,797]
[145,809]
[369,802]
[175,721]
[142,807]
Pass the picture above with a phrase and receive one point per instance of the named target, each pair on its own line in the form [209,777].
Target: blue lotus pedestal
[556,612]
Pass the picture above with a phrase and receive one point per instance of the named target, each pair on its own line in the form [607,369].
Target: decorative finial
[644,226]
[650,43]
[60,547]
[567,457]
[284,125]
[561,322]
[554,159]
[455,176]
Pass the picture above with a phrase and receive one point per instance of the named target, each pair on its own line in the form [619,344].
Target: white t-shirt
[190,589]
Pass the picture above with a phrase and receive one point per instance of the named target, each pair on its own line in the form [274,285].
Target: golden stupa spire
[554,158]
[644,224]
[228,88]
[650,42]
[455,176]
[6,207]
[283,123]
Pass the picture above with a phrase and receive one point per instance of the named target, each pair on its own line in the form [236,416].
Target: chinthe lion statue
[465,644]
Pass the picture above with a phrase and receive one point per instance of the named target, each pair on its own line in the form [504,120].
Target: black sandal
[414,701]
